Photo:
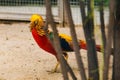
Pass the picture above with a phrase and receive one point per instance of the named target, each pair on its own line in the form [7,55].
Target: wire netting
[31,2]
[24,2]
[23,9]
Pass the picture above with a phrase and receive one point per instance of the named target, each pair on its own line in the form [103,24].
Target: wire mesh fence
[22,2]
[31,2]
[23,9]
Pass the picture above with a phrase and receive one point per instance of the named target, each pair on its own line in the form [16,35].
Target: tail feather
[83,45]
[98,48]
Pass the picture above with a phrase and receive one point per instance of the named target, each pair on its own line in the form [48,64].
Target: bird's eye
[36,22]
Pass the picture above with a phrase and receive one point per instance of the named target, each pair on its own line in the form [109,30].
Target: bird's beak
[33,24]
[37,24]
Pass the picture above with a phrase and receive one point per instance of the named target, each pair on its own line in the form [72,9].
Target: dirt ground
[22,59]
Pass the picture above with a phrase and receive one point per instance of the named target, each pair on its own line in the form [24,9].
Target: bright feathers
[82,43]
[68,40]
[39,35]
[42,40]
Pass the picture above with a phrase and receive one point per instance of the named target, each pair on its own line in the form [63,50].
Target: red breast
[43,42]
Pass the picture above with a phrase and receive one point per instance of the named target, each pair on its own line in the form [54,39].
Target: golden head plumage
[36,21]
[35,17]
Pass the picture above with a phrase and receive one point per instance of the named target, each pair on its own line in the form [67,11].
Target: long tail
[83,45]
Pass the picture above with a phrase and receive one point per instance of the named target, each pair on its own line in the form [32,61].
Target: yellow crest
[37,19]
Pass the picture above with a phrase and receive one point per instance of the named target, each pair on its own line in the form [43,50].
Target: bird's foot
[53,71]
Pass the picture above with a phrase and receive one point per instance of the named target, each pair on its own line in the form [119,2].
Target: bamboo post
[63,63]
[109,40]
[74,38]
[88,27]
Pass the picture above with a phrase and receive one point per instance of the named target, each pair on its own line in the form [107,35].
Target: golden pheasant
[39,35]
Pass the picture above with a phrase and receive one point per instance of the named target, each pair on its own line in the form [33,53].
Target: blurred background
[22,10]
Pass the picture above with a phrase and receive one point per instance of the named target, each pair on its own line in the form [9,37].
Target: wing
[65,41]
[66,46]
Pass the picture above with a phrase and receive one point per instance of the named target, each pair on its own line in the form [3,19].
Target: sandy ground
[22,59]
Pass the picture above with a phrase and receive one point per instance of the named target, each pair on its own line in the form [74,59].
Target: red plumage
[83,45]
[36,27]
[43,42]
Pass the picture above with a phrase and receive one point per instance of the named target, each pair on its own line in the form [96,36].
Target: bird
[37,29]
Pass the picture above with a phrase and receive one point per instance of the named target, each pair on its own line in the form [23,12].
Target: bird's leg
[55,69]
[65,55]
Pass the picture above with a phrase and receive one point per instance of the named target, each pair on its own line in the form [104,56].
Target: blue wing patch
[65,45]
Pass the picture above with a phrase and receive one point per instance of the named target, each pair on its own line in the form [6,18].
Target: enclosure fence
[23,9]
